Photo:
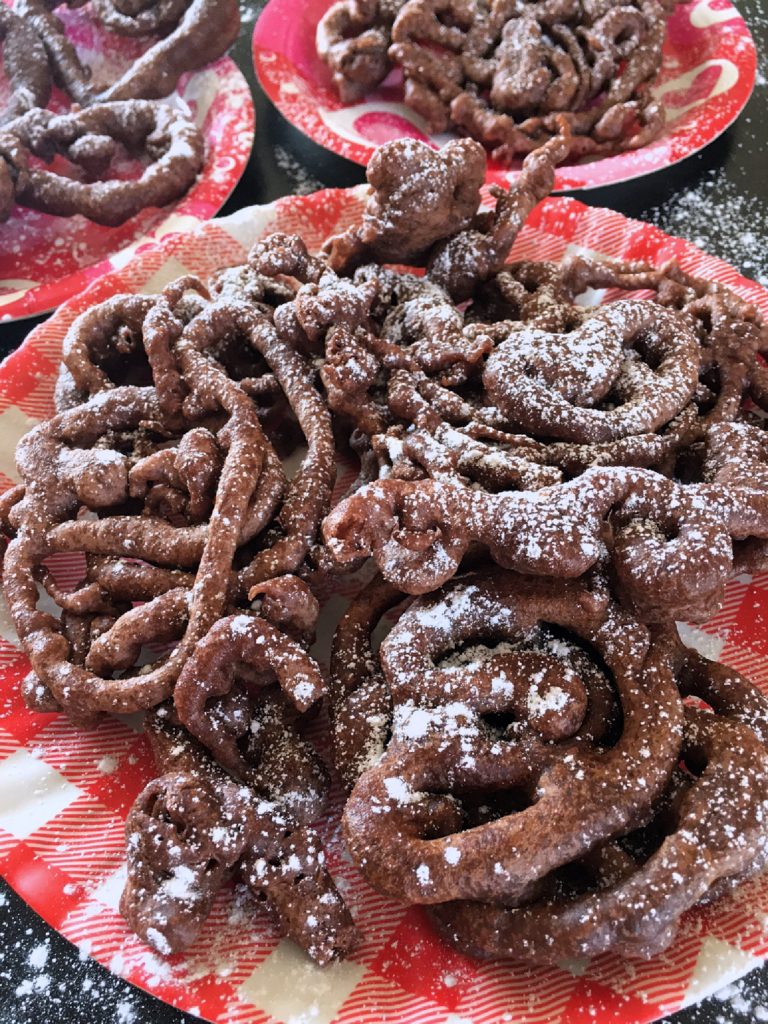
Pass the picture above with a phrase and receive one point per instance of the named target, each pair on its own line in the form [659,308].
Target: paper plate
[44,259]
[706,78]
[64,793]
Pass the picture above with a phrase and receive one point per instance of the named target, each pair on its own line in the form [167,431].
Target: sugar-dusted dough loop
[418,531]
[26,66]
[192,829]
[206,30]
[548,384]
[239,656]
[353,38]
[636,914]
[173,144]
[409,841]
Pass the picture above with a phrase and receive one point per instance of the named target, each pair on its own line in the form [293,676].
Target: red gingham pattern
[64,793]
[707,76]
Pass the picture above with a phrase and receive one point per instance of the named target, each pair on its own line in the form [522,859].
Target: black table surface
[717,199]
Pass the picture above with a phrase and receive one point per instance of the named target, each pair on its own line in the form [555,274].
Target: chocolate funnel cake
[504,72]
[546,484]
[109,122]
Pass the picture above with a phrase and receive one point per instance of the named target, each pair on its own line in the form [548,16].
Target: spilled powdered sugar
[302,181]
[44,981]
[742,1002]
[722,218]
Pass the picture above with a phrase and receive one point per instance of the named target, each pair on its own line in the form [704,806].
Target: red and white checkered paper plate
[44,259]
[64,794]
[706,78]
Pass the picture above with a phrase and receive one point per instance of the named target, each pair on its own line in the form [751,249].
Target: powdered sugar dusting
[723,218]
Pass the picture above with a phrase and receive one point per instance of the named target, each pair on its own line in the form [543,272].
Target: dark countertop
[717,199]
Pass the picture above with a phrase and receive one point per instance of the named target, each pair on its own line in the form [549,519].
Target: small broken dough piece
[420,196]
